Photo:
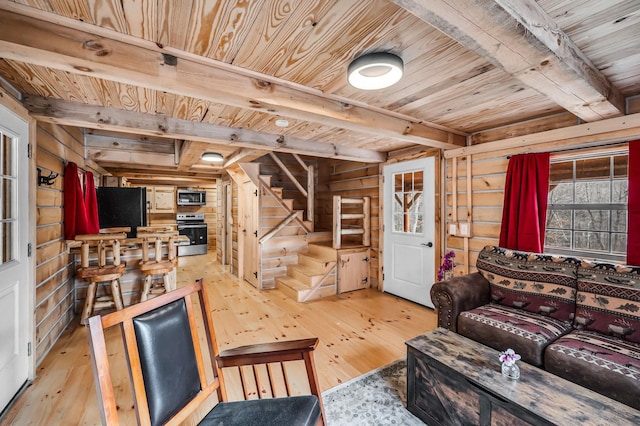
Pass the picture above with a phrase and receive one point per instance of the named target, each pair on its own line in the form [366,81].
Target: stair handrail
[265,186]
[307,192]
[322,280]
[266,237]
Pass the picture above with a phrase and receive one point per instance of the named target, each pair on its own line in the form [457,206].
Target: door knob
[429,244]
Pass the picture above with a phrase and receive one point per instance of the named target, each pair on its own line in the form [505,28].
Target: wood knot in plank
[262,84]
[233,137]
[97,47]
[82,69]
[280,139]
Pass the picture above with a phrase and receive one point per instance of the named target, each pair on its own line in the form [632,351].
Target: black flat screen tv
[122,207]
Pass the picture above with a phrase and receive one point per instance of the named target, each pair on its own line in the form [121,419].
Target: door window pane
[408,202]
[7,192]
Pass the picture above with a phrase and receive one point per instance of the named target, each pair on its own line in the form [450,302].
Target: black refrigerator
[122,207]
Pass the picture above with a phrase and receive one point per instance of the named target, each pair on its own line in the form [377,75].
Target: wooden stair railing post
[310,195]
[337,221]
[366,207]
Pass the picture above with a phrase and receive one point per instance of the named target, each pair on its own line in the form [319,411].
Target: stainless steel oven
[192,225]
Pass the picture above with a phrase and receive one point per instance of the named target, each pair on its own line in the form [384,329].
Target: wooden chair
[102,271]
[154,238]
[167,369]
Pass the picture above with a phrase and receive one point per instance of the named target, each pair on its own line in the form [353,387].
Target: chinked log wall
[54,266]
[488,173]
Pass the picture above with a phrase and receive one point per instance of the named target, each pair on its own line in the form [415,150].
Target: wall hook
[46,180]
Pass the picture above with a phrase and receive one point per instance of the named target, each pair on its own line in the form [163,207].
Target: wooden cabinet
[249,225]
[353,269]
[161,199]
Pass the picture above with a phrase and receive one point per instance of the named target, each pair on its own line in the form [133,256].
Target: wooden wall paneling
[54,271]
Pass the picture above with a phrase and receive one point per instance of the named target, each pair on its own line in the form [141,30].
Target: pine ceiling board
[41,79]
[135,98]
[16,79]
[278,30]
[86,89]
[231,20]
[173,20]
[38,4]
[165,102]
[109,91]
[108,14]
[213,113]
[74,9]
[187,108]
[335,40]
[141,17]
[379,30]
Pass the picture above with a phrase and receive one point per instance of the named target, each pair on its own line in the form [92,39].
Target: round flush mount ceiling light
[213,157]
[282,122]
[375,71]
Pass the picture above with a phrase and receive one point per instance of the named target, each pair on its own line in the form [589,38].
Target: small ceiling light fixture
[213,157]
[375,71]
[282,122]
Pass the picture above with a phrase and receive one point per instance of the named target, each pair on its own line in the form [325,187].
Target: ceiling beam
[245,155]
[520,38]
[97,117]
[81,51]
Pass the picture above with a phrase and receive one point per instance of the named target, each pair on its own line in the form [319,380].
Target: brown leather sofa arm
[457,295]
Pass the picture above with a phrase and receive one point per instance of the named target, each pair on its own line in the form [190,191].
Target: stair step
[314,260]
[293,288]
[323,250]
[309,274]
[299,291]
[266,179]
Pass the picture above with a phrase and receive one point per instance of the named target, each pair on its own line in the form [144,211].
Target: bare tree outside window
[587,209]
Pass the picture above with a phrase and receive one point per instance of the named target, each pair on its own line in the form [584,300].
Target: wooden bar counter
[131,282]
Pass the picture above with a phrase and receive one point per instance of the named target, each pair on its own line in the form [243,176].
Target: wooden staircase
[314,276]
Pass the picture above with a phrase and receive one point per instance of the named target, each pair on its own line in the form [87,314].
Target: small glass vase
[447,275]
[511,371]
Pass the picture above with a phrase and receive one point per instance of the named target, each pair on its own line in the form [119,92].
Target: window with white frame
[587,210]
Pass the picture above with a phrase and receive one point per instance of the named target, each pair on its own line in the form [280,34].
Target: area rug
[376,398]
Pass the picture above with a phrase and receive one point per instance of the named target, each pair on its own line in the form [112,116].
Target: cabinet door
[251,255]
[151,199]
[353,271]
[165,199]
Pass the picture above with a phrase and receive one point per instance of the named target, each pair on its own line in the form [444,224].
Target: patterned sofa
[577,319]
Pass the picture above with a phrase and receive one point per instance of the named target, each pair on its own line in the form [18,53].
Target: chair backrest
[103,243]
[164,357]
[153,238]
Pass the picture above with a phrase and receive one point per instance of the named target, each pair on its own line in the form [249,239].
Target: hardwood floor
[358,331]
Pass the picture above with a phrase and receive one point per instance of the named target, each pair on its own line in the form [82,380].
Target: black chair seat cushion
[290,411]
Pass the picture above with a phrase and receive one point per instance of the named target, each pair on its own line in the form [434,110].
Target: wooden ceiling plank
[82,52]
[90,116]
[520,38]
[130,157]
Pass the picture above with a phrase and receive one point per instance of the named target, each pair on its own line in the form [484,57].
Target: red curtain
[80,207]
[524,215]
[633,205]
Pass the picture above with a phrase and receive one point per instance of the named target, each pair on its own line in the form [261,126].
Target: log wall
[54,266]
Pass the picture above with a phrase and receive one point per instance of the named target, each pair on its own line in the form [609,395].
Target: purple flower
[509,356]
[447,264]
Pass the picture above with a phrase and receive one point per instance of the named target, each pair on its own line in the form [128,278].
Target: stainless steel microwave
[188,197]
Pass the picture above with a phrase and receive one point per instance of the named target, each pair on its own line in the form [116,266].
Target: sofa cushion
[537,283]
[503,327]
[608,299]
[605,364]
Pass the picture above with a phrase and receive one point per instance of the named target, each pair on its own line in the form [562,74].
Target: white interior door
[409,229]
[14,265]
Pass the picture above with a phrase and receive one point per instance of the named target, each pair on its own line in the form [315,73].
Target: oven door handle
[204,225]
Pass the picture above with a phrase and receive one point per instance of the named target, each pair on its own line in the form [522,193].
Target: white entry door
[14,268]
[409,229]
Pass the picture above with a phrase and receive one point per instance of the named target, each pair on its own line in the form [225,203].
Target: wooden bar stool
[153,238]
[102,272]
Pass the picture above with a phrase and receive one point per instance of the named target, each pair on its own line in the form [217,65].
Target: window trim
[609,152]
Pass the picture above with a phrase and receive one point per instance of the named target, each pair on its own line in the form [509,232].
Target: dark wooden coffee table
[452,380]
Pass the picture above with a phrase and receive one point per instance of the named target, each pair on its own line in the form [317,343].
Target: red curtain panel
[524,215]
[80,207]
[633,205]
